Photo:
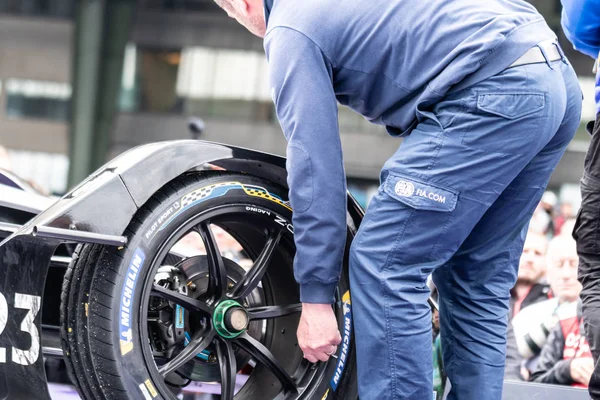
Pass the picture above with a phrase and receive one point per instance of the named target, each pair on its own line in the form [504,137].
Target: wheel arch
[122,186]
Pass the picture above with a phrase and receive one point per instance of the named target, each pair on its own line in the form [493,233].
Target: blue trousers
[455,201]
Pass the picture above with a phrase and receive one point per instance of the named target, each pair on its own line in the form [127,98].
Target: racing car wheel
[203,293]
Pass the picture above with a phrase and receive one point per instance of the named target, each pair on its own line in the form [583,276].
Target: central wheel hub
[230,319]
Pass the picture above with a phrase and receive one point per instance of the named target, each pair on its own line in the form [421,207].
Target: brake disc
[174,326]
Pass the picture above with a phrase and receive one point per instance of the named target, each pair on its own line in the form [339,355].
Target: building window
[48,8]
[225,84]
[149,81]
[197,81]
[178,5]
[208,83]
[29,99]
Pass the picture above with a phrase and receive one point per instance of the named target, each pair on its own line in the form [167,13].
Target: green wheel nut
[230,319]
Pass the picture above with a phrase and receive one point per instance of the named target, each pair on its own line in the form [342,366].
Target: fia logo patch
[404,188]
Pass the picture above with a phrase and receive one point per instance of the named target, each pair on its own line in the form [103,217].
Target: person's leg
[587,235]
[434,191]
[474,285]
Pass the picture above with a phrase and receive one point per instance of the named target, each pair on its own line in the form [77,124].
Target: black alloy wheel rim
[221,291]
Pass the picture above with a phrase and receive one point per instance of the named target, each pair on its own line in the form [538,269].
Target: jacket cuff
[317,292]
[563,372]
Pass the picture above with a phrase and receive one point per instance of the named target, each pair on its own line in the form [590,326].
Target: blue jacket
[389,60]
[581,24]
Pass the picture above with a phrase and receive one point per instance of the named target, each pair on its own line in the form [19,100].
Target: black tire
[73,320]
[104,367]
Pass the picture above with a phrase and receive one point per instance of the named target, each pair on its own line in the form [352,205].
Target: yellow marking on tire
[150,387]
[145,392]
[205,191]
[346,297]
[126,347]
[264,195]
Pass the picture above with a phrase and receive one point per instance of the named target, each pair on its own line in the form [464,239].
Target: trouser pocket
[425,211]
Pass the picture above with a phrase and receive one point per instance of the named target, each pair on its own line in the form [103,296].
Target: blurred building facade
[184,58]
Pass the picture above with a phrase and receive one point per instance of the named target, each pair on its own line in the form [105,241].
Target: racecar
[170,265]
[125,279]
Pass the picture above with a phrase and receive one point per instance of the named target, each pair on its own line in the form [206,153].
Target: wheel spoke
[217,276]
[264,356]
[250,281]
[188,303]
[268,312]
[228,366]
[199,342]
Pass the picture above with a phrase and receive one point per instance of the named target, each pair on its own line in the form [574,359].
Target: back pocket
[511,105]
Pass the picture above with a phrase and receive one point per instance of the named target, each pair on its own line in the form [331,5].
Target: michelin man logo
[346,307]
[405,189]
[128,335]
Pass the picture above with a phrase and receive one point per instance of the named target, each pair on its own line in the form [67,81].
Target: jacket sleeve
[302,89]
[581,24]
[551,367]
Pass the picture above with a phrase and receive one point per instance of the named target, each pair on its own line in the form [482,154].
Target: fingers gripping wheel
[204,292]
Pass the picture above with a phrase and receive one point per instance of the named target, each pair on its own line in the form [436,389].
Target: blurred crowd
[545,339]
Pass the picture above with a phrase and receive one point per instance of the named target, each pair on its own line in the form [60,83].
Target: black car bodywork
[96,211]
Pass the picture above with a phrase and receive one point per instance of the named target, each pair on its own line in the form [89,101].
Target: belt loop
[563,57]
[539,46]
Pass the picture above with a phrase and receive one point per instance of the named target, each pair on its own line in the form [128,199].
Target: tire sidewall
[137,259]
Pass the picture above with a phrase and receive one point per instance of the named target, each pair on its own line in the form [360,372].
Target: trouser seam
[390,343]
[389,332]
[437,149]
[465,110]
[452,338]
[399,238]
[443,231]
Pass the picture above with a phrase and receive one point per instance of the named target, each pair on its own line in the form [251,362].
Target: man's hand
[581,369]
[318,333]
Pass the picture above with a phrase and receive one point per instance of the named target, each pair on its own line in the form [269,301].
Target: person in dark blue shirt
[486,103]
[581,24]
